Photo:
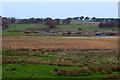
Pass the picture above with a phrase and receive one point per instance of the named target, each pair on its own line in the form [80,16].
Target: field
[42,63]
[57,56]
[73,26]
[36,42]
[87,28]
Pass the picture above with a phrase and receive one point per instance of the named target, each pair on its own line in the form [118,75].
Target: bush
[115,68]
[13,68]
[101,69]
[71,72]
[79,29]
[114,76]
[93,68]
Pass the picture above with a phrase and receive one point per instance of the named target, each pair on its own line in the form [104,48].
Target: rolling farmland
[59,41]
[36,55]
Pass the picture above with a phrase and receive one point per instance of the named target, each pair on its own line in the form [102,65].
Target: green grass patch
[28,70]
[71,27]
[41,63]
[38,71]
[12,34]
[76,26]
[0,71]
[26,26]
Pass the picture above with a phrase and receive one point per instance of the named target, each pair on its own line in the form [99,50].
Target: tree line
[104,22]
[110,24]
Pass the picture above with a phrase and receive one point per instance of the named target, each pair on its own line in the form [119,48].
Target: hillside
[86,27]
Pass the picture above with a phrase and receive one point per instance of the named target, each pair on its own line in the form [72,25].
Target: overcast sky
[59,9]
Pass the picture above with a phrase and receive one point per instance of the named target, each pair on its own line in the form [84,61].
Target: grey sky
[59,10]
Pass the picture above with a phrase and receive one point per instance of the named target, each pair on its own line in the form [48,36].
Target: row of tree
[48,21]
[93,19]
[104,22]
[110,24]
[65,21]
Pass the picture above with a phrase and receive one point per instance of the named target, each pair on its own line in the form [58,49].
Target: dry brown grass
[59,42]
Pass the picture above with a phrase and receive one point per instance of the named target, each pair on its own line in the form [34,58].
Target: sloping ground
[60,42]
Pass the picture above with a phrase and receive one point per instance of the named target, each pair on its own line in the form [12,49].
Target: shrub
[93,68]
[115,68]
[13,68]
[71,72]
[79,29]
[101,69]
[114,76]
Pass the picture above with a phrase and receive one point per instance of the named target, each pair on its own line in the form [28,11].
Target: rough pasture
[59,57]
[60,42]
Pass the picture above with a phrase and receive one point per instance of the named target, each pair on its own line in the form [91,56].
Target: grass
[26,26]
[29,70]
[33,34]
[36,62]
[0,32]
[89,26]
[46,42]
[82,25]
[12,34]
[0,71]
[0,64]
[22,34]
[38,71]
[71,27]
[75,58]
[67,60]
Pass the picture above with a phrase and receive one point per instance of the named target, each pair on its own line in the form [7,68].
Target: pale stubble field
[59,42]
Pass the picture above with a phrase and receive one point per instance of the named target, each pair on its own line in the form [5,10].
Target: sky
[59,9]
[119,9]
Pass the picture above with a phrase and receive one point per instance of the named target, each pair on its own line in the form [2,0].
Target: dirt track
[60,42]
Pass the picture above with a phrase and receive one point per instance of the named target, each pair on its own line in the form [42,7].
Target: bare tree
[49,22]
